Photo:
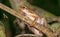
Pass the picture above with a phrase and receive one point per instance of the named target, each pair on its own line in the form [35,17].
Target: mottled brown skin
[34,15]
[34,21]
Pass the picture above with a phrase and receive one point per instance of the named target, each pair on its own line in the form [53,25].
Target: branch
[27,35]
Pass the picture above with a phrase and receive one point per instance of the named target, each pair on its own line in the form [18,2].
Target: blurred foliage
[55,26]
[9,24]
[49,5]
[2,30]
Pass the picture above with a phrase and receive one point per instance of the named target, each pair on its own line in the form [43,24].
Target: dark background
[52,6]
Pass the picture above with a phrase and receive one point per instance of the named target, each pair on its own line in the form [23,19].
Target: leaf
[2,30]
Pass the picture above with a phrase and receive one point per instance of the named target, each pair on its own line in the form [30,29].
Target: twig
[30,35]
[13,12]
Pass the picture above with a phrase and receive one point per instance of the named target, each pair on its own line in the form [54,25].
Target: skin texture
[35,18]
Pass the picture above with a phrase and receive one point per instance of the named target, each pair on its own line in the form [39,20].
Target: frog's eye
[23,7]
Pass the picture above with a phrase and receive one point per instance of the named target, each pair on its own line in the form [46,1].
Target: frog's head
[24,9]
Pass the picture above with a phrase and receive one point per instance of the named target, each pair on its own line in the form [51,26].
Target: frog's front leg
[35,31]
[34,21]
